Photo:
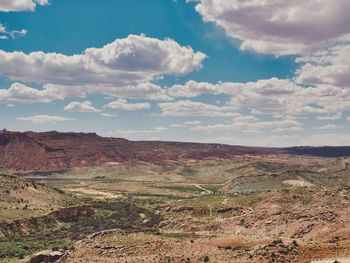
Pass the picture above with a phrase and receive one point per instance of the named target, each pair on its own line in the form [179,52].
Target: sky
[261,73]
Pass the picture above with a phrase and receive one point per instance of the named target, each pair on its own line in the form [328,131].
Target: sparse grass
[131,239]
[149,195]
[9,260]
[220,200]
[187,189]
[10,213]
[21,247]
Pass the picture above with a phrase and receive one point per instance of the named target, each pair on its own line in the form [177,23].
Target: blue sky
[203,71]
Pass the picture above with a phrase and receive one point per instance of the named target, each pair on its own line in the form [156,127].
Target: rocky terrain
[22,198]
[77,197]
[284,226]
[54,151]
[55,228]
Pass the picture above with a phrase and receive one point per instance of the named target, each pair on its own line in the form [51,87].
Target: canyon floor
[272,208]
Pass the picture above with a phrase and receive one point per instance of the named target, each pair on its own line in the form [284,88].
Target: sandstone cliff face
[60,151]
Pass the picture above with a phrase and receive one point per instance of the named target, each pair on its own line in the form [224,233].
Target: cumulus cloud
[122,104]
[268,87]
[251,124]
[274,97]
[85,106]
[139,91]
[123,68]
[185,124]
[279,27]
[192,108]
[330,66]
[193,88]
[41,119]
[20,5]
[20,93]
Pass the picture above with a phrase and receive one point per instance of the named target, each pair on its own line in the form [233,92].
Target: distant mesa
[55,151]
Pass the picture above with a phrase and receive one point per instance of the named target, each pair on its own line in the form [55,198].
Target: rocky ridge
[55,151]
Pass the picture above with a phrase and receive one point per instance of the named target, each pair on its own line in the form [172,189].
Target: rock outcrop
[68,214]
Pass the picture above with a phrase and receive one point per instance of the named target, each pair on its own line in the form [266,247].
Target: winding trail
[203,189]
[182,155]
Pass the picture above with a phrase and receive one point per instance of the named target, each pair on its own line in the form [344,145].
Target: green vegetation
[108,215]
[21,247]
[189,189]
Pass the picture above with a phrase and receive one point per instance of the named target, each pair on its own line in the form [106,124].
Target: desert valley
[174,131]
[76,197]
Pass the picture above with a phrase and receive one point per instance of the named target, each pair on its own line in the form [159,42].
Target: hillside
[20,198]
[54,151]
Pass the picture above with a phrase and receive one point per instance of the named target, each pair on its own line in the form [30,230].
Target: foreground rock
[290,225]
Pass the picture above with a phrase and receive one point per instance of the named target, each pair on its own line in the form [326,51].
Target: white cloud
[6,34]
[18,92]
[178,125]
[279,27]
[41,119]
[274,96]
[191,108]
[251,124]
[122,104]
[334,116]
[185,124]
[122,68]
[17,33]
[109,115]
[193,89]
[330,66]
[139,91]
[267,87]
[85,106]
[20,5]
[330,127]
[192,122]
